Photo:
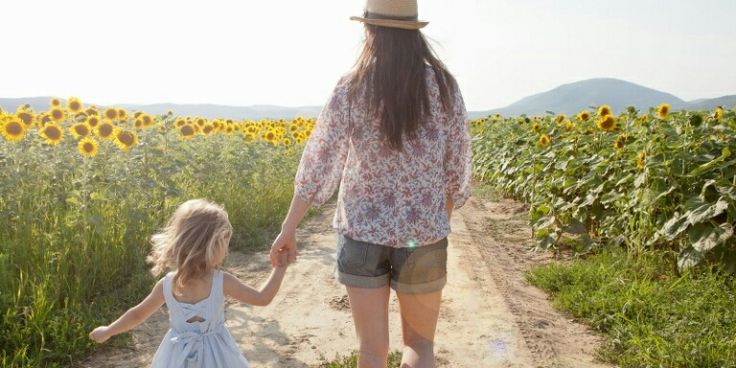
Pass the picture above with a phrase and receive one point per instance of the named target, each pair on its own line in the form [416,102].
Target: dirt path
[490,316]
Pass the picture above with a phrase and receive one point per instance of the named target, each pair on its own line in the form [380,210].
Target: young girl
[194,244]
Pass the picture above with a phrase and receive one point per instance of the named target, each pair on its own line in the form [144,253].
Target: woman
[394,135]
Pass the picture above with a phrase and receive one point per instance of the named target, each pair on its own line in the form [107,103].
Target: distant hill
[566,99]
[208,111]
[572,98]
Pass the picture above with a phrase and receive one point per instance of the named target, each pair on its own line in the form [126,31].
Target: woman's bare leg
[370,314]
[419,313]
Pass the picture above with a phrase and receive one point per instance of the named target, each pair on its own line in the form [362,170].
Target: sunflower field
[659,180]
[83,190]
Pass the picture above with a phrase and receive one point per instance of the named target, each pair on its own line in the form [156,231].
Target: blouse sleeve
[322,163]
[458,155]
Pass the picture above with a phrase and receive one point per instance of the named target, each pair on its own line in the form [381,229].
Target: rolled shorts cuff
[425,288]
[364,282]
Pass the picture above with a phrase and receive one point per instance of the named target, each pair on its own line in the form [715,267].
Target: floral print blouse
[387,197]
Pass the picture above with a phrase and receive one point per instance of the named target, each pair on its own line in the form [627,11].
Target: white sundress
[206,344]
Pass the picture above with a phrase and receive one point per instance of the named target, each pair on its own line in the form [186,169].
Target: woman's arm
[133,317]
[286,240]
[246,294]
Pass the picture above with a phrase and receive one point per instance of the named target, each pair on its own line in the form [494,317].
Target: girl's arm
[248,295]
[133,317]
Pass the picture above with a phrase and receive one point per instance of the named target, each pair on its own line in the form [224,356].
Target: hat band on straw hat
[370,15]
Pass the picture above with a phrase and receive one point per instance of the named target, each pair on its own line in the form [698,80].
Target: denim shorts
[416,270]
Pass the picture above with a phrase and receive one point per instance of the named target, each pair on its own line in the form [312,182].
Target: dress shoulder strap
[169,290]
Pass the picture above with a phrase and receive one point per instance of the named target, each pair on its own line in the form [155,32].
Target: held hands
[283,249]
[100,334]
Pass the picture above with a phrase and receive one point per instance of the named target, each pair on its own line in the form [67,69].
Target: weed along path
[490,316]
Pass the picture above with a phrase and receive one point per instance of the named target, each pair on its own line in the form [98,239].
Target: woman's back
[388,196]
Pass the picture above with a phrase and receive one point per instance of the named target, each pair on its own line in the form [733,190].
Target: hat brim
[393,23]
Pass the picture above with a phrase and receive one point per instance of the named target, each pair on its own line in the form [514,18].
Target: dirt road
[490,315]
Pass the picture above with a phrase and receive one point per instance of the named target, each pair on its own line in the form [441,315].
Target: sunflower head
[186,131]
[125,139]
[93,121]
[52,133]
[55,102]
[643,118]
[719,114]
[560,119]
[180,122]
[569,126]
[122,114]
[605,110]
[27,118]
[535,127]
[147,120]
[74,105]
[105,130]
[56,114]
[619,143]
[607,123]
[663,111]
[13,129]
[88,147]
[544,140]
[80,130]
[584,116]
[641,160]
[111,114]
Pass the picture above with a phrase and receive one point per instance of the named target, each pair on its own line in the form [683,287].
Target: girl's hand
[285,244]
[100,334]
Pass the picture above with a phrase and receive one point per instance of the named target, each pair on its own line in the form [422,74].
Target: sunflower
[13,130]
[80,130]
[125,139]
[111,114]
[26,117]
[719,114]
[138,124]
[584,116]
[569,126]
[607,123]
[186,131]
[55,102]
[544,140]
[249,138]
[180,122]
[52,133]
[147,120]
[74,105]
[535,127]
[57,114]
[207,129]
[286,142]
[270,136]
[641,160]
[105,130]
[92,111]
[560,119]
[643,118]
[88,147]
[619,143]
[663,111]
[604,110]
[122,114]
[137,114]
[93,121]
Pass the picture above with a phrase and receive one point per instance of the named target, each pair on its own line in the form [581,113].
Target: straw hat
[392,13]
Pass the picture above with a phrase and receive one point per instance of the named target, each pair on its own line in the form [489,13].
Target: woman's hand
[284,248]
[100,334]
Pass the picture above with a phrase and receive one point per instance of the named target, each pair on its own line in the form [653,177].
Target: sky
[292,52]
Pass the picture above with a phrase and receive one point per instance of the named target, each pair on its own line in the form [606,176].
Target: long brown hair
[392,66]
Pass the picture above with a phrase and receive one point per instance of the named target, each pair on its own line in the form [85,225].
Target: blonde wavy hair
[194,242]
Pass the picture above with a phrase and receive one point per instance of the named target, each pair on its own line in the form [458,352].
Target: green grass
[351,361]
[652,317]
[76,231]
